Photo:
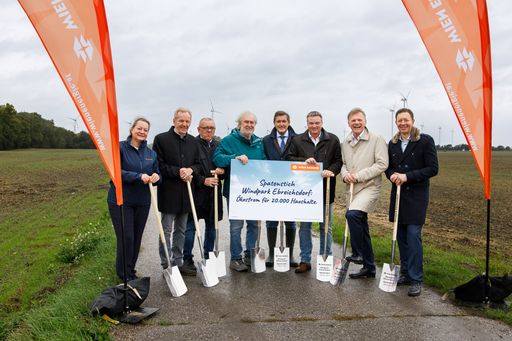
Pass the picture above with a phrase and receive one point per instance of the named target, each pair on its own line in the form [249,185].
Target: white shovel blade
[339,273]
[175,281]
[281,259]
[389,278]
[324,268]
[208,273]
[219,262]
[258,260]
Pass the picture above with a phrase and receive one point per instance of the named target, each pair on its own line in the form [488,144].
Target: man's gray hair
[243,115]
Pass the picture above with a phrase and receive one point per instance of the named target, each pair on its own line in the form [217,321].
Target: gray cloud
[261,56]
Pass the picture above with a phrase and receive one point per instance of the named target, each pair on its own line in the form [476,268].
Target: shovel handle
[154,205]
[281,234]
[345,239]
[397,207]
[194,214]
[216,211]
[215,201]
[326,219]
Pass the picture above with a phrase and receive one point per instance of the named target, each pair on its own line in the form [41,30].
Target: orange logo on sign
[304,167]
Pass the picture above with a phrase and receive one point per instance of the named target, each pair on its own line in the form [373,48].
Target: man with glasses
[203,196]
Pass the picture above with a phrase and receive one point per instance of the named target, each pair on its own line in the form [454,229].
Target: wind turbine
[75,124]
[404,98]
[212,110]
[392,111]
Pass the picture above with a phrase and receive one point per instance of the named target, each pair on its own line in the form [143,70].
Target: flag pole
[487,250]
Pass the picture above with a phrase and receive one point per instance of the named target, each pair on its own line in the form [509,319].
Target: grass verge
[64,315]
[443,270]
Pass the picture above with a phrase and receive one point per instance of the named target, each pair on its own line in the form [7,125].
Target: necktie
[282,144]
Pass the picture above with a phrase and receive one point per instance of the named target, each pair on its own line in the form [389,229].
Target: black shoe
[363,273]
[270,262]
[403,280]
[414,290]
[355,259]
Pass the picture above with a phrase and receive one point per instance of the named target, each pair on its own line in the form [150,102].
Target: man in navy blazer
[412,162]
[277,145]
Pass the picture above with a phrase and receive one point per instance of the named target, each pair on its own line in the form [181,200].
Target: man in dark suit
[204,195]
[178,157]
[412,162]
[312,146]
[277,145]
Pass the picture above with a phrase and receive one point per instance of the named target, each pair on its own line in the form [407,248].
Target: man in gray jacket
[365,158]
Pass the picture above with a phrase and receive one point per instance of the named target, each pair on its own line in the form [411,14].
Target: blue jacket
[419,163]
[272,148]
[134,163]
[235,145]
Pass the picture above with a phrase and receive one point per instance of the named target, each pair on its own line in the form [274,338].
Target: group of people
[409,160]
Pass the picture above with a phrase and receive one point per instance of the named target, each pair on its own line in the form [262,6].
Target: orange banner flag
[456,35]
[75,35]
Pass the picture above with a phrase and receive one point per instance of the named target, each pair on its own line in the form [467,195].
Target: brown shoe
[303,267]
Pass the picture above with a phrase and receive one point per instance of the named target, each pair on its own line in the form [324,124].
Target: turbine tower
[75,124]
[213,111]
[405,98]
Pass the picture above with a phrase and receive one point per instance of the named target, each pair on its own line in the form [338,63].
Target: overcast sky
[260,56]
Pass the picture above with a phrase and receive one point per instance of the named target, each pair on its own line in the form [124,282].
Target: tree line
[30,130]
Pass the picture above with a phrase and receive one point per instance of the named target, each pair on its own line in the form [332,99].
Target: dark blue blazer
[272,148]
[134,163]
[419,163]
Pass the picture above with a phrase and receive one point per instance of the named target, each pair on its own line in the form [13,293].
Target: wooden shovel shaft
[154,204]
[259,236]
[326,220]
[216,212]
[345,239]
[281,234]
[194,214]
[395,222]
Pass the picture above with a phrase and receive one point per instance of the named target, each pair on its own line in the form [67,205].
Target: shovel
[207,271]
[341,268]
[172,273]
[324,263]
[281,253]
[218,258]
[258,255]
[391,272]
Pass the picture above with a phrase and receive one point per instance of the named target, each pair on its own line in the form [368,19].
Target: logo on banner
[83,48]
[465,60]
[305,167]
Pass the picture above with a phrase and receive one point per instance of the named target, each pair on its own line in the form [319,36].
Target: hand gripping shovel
[391,272]
[207,271]
[341,268]
[281,253]
[324,263]
[258,255]
[172,273]
[218,258]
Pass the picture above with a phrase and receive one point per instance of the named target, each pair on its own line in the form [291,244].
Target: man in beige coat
[365,158]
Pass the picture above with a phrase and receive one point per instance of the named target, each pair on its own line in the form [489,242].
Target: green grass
[49,197]
[443,270]
[65,315]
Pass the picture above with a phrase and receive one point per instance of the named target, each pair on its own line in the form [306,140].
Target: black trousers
[135,218]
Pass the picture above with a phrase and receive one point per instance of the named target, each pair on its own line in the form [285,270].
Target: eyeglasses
[208,128]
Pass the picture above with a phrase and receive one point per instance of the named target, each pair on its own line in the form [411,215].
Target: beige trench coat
[367,159]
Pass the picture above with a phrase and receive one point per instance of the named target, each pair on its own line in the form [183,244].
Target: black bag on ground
[111,300]
[474,290]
